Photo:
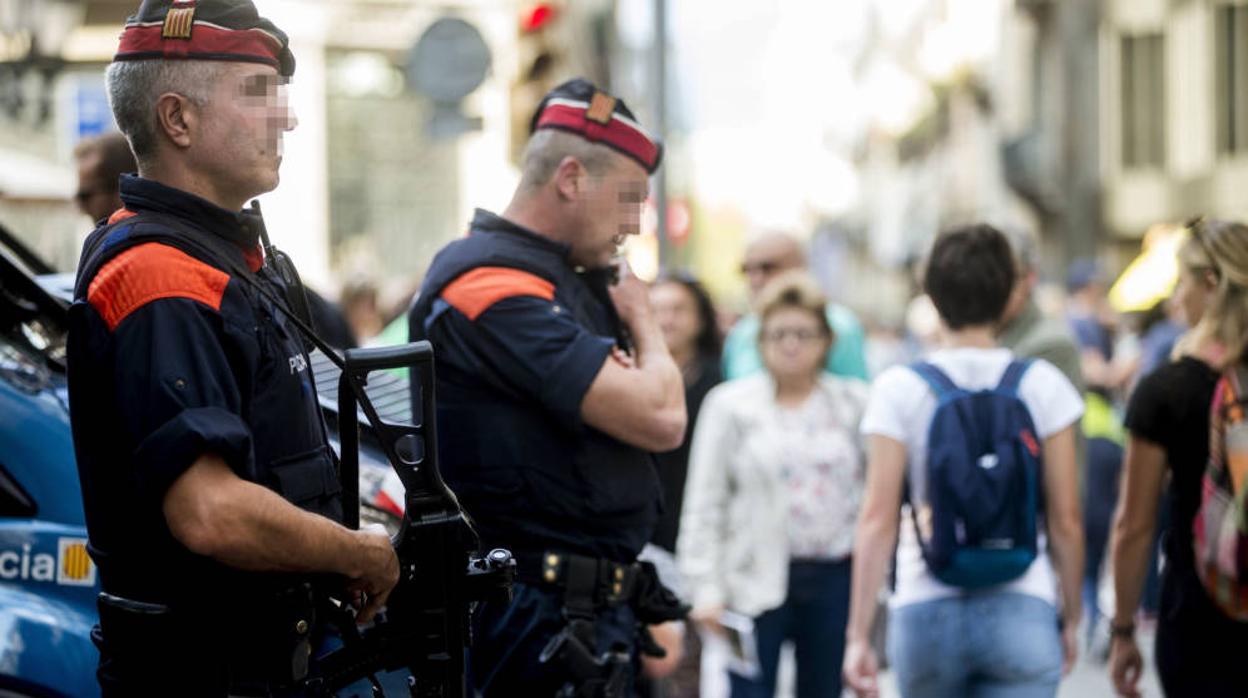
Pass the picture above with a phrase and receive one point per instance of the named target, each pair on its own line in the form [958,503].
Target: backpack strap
[935,378]
[1013,375]
[1237,377]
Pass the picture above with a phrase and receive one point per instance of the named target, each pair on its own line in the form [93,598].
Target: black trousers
[508,640]
[1199,651]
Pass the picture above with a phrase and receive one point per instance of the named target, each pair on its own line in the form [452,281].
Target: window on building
[1143,101]
[1230,47]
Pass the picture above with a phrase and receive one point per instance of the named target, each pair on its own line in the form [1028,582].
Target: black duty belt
[606,582]
[588,585]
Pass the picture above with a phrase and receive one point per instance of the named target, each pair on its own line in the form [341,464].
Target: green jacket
[1032,335]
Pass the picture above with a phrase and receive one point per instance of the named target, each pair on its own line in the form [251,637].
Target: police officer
[553,387]
[210,489]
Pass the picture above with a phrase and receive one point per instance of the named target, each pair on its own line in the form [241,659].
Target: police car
[48,583]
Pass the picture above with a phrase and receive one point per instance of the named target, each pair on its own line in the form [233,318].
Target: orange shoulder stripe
[149,272]
[121,214]
[475,291]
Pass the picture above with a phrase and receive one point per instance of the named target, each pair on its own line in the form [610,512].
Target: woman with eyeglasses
[776,476]
[1199,650]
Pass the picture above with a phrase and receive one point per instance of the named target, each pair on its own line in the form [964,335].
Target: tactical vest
[289,438]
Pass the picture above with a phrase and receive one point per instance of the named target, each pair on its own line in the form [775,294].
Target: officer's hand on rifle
[377,571]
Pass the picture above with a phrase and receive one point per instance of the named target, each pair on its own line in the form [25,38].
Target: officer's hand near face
[379,572]
[639,400]
[632,299]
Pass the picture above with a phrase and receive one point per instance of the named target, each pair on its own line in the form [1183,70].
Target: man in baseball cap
[210,490]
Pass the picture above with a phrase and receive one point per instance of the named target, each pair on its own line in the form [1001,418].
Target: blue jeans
[994,645]
[813,616]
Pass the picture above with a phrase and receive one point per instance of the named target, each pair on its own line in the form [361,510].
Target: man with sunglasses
[766,258]
[101,161]
[210,490]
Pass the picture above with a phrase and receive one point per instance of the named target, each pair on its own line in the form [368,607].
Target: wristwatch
[1125,630]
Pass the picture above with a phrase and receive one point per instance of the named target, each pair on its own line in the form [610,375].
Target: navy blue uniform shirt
[520,335]
[172,357]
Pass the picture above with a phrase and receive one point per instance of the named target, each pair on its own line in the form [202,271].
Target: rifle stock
[425,627]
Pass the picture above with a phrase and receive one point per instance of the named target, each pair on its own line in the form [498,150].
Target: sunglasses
[765,268]
[85,195]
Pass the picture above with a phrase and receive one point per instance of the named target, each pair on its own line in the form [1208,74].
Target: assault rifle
[425,626]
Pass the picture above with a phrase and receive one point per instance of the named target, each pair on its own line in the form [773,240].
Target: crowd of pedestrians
[797,475]
[800,470]
[764,490]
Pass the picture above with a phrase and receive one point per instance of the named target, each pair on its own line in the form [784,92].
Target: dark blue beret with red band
[205,30]
[577,106]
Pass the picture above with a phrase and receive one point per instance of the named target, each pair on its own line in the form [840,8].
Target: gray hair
[135,86]
[548,147]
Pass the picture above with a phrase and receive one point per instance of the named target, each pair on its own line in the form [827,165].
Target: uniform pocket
[309,480]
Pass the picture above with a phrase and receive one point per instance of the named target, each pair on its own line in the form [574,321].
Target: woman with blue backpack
[980,448]
[1187,429]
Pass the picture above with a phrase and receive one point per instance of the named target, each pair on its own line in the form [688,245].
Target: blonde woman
[776,475]
[1199,651]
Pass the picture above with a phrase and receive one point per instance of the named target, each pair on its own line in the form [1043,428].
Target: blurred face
[765,259]
[677,312]
[1024,282]
[243,125]
[794,343]
[610,211]
[1192,295]
[95,197]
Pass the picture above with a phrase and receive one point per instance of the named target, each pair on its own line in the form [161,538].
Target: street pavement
[1090,679]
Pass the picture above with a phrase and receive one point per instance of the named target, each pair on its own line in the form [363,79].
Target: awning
[1151,277]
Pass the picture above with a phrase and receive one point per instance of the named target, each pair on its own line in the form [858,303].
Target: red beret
[577,106]
[207,30]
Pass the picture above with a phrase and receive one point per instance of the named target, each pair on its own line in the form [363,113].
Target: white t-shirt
[901,407]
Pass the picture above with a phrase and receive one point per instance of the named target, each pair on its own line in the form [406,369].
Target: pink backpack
[1220,529]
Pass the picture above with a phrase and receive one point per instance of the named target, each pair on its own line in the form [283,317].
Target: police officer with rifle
[554,386]
[213,499]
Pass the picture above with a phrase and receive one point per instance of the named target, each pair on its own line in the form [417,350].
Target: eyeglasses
[765,268]
[84,195]
[803,335]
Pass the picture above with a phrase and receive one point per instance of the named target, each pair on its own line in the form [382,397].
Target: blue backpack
[979,500]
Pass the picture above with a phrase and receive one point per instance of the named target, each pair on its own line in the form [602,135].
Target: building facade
[1174,128]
